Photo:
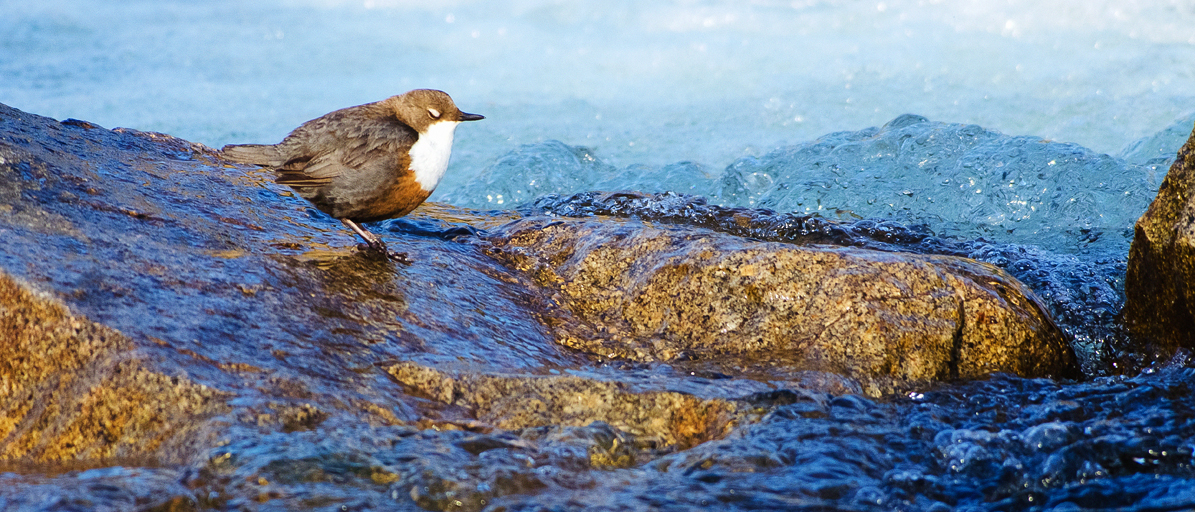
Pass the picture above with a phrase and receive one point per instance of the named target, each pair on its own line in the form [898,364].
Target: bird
[366,163]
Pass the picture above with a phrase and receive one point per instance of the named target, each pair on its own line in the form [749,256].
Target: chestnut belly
[358,202]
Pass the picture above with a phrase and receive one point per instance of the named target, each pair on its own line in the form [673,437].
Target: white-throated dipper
[365,163]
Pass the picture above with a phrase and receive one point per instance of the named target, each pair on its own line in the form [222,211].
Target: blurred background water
[637,83]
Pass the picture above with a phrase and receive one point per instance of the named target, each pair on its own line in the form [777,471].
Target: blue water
[1039,132]
[960,180]
[638,83]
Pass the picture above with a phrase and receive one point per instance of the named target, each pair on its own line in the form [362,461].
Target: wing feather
[257,154]
[340,143]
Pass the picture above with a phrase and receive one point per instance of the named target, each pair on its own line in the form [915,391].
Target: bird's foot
[399,257]
[375,245]
[378,247]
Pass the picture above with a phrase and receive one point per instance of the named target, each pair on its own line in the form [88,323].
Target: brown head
[422,108]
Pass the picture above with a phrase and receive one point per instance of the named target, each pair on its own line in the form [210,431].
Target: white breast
[429,154]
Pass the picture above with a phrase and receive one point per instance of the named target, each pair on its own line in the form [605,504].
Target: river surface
[1029,134]
[647,83]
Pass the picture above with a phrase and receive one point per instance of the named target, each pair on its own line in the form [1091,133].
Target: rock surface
[519,402]
[71,389]
[161,308]
[666,293]
[1084,295]
[1160,282]
[214,275]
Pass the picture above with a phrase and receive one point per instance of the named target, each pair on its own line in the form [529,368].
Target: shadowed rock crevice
[956,346]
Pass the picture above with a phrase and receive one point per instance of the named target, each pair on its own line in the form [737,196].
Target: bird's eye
[434,113]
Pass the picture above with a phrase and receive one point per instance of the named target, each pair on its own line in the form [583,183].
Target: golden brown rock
[512,402]
[658,294]
[1159,291]
[170,271]
[72,389]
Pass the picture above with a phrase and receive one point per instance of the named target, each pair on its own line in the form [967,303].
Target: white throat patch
[429,154]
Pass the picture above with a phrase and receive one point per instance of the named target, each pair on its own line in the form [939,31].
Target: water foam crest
[961,180]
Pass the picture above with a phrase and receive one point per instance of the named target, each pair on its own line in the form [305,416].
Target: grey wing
[257,154]
[328,147]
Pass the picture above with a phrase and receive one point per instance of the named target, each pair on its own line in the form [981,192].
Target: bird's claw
[399,257]
[379,248]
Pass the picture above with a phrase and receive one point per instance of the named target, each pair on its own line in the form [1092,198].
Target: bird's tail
[257,154]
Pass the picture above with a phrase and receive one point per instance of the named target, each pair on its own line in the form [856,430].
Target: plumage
[355,164]
[253,153]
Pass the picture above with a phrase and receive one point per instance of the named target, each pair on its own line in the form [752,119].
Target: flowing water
[1029,134]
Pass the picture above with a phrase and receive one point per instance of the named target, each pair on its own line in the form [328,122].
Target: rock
[160,307]
[1160,281]
[72,389]
[182,288]
[515,402]
[650,293]
[1084,296]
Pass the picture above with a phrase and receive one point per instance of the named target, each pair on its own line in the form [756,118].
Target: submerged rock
[72,389]
[666,293]
[1160,282]
[514,402]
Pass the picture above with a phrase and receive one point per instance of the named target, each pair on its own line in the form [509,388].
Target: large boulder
[150,291]
[1160,282]
[650,293]
[201,326]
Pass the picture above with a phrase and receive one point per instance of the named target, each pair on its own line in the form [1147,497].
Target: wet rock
[101,489]
[512,402]
[1159,291]
[179,333]
[646,293]
[72,389]
[1083,294]
[179,288]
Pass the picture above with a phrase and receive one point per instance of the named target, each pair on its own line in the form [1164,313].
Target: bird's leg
[373,243]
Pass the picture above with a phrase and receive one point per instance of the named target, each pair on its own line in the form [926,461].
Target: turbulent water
[639,83]
[1029,134]
[962,180]
[1049,122]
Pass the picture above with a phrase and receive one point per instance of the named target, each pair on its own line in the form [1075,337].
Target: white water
[650,83]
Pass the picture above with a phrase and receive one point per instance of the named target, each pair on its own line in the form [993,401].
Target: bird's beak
[465,116]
